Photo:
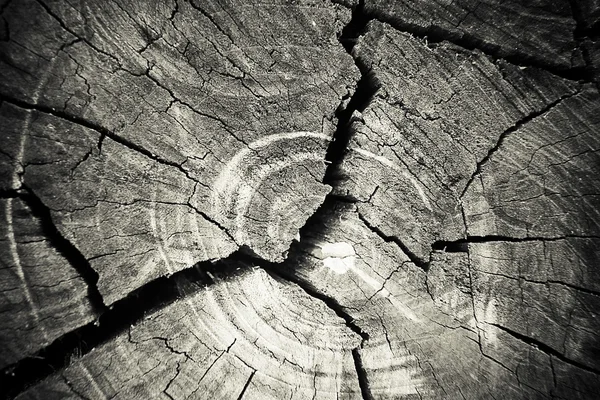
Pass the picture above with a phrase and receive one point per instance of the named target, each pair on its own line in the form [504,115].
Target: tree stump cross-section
[311,199]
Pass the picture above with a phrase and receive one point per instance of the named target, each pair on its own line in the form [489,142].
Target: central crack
[165,290]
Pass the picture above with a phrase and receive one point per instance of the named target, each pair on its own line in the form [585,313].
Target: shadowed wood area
[312,199]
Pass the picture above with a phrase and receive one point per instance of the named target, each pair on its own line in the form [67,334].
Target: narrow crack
[518,125]
[546,349]
[279,274]
[462,245]
[102,131]
[243,392]
[415,259]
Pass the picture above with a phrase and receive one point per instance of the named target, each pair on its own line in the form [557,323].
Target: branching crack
[418,261]
[95,127]
[437,34]
[121,316]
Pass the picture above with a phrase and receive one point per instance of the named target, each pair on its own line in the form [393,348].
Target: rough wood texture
[312,199]
[42,296]
[534,30]
[439,114]
[505,320]
[250,336]
[542,181]
[191,137]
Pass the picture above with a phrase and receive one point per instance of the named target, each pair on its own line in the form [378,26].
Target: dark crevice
[583,30]
[246,385]
[363,379]
[65,248]
[457,246]
[366,88]
[546,349]
[462,245]
[118,318]
[355,27]
[8,194]
[415,259]
[165,290]
[435,34]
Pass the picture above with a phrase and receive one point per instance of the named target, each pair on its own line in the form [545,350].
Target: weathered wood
[250,335]
[439,112]
[505,320]
[198,134]
[128,214]
[535,30]
[42,297]
[314,199]
[543,178]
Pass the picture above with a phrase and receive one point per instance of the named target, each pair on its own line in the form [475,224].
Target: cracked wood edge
[546,30]
[439,115]
[563,371]
[496,319]
[248,131]
[266,336]
[42,295]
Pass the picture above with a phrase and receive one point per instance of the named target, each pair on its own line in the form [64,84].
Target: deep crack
[366,88]
[119,317]
[64,247]
[415,259]
[363,379]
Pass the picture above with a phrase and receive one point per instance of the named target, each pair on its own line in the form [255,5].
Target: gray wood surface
[310,199]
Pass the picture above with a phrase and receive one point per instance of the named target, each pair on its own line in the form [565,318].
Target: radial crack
[518,125]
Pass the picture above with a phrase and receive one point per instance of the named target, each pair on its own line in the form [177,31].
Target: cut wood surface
[206,107]
[540,30]
[252,335]
[310,199]
[42,295]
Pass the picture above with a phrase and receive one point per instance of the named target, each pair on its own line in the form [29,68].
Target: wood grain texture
[42,296]
[197,134]
[492,322]
[250,335]
[551,178]
[438,113]
[541,31]
[307,199]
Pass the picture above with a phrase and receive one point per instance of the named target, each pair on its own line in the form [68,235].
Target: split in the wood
[518,125]
[437,31]
[114,320]
[64,247]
